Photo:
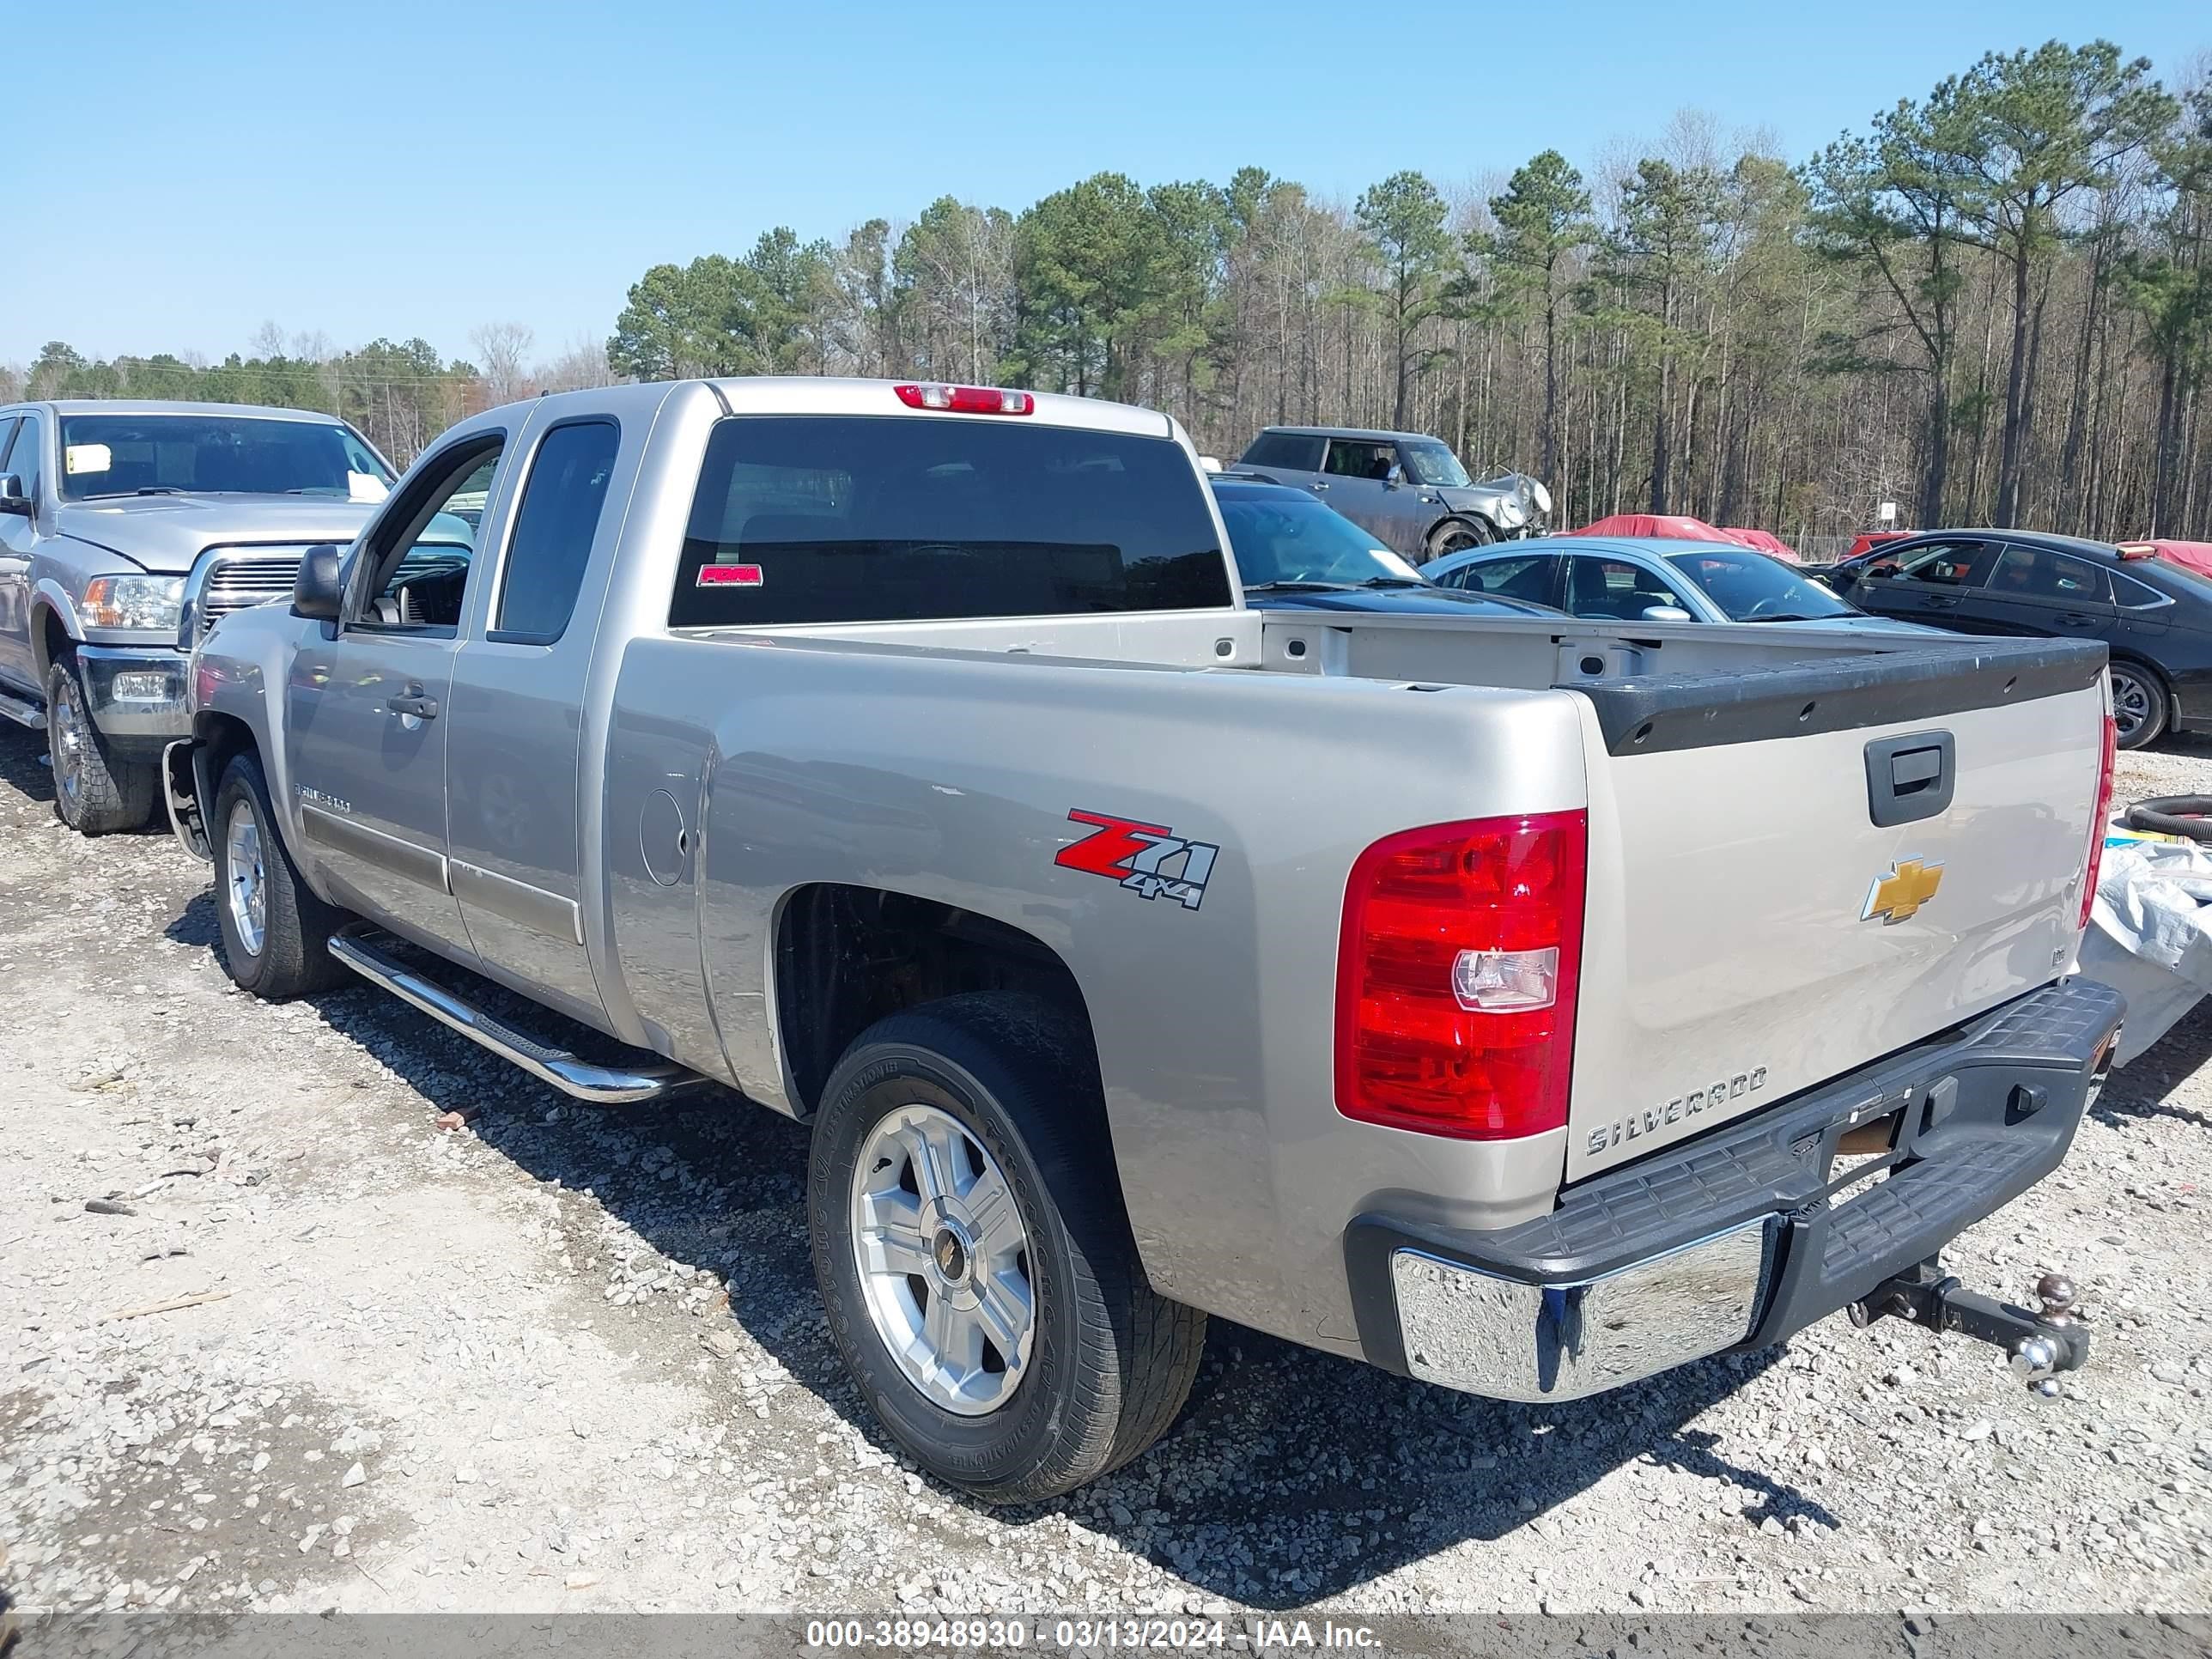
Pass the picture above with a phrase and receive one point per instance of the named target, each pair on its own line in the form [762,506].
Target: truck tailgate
[1754,927]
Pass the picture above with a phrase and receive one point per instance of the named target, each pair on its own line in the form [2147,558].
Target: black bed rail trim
[1653,714]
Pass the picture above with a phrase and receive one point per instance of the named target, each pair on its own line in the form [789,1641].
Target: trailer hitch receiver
[2041,1345]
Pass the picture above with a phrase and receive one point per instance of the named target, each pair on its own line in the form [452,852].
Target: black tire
[1110,1361]
[294,955]
[2188,815]
[95,791]
[2139,704]
[1458,535]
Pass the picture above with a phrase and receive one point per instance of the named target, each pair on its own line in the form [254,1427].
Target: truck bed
[1728,955]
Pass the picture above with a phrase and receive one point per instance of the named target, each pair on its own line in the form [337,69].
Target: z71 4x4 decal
[1150,859]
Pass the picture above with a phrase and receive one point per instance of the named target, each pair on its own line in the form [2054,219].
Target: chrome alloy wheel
[944,1259]
[67,740]
[2130,702]
[248,885]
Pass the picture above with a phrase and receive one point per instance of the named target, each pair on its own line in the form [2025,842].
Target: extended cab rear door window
[554,526]
[829,518]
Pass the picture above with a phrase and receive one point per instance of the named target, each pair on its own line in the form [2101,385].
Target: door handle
[2075,619]
[412,701]
[1933,603]
[1321,486]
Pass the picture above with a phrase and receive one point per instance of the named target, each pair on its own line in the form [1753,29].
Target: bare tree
[503,359]
[583,364]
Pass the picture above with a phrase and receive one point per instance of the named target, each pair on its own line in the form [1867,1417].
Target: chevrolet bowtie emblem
[1909,884]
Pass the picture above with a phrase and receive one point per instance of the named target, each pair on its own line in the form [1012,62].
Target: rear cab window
[830,519]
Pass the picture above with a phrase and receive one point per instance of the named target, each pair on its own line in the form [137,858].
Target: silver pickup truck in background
[1527,1004]
[128,530]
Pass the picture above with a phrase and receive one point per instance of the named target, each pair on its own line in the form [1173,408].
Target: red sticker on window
[729,575]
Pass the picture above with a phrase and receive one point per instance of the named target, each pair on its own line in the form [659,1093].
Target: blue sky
[401,168]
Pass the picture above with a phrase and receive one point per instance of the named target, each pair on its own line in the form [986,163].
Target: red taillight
[1456,977]
[966,399]
[2097,825]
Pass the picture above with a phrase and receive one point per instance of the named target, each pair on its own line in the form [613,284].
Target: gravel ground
[548,1358]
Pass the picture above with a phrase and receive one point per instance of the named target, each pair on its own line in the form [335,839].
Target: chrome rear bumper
[1744,1235]
[1487,1334]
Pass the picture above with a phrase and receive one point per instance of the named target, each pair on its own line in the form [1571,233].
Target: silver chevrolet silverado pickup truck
[127,530]
[1526,1005]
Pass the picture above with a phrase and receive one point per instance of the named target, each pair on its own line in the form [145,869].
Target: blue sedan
[1646,579]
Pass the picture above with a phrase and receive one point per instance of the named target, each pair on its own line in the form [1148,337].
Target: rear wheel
[96,792]
[2139,705]
[276,933]
[971,1248]
[1458,535]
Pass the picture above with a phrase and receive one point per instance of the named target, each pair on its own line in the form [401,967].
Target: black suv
[2155,618]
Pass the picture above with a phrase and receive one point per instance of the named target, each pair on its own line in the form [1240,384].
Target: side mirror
[12,498]
[319,593]
[1397,474]
[1667,613]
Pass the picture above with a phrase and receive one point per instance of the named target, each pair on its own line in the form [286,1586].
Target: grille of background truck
[236,580]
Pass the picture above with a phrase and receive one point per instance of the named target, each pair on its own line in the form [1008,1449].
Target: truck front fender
[52,606]
[238,676]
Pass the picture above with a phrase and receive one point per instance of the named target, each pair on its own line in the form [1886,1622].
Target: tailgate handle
[1909,778]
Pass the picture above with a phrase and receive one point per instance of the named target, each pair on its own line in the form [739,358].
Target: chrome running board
[603,1085]
[13,707]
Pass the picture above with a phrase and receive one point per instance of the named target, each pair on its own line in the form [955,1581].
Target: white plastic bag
[2155,900]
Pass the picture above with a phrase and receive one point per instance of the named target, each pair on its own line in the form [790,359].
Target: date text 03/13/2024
[1085,1634]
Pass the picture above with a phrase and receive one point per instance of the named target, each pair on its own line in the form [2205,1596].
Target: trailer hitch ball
[2035,1358]
[2056,1293]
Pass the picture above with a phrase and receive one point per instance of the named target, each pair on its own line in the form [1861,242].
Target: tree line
[400,395]
[1993,304]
